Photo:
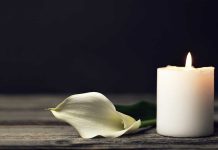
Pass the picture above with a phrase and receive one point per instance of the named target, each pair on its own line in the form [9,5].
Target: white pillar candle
[185,100]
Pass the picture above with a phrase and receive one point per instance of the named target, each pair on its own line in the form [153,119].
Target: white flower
[92,114]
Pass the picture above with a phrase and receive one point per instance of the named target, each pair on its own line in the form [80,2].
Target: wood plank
[40,102]
[31,109]
[25,124]
[47,137]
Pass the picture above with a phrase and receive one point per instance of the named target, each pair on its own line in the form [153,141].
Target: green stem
[147,123]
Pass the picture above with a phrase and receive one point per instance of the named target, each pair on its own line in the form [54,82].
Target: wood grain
[47,136]
[25,124]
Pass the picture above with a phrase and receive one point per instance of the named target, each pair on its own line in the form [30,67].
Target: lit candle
[185,100]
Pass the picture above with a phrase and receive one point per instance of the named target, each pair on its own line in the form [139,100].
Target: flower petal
[130,129]
[92,114]
[127,120]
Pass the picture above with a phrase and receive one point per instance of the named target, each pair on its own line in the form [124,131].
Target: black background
[106,46]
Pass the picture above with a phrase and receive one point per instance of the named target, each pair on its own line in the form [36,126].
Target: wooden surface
[25,124]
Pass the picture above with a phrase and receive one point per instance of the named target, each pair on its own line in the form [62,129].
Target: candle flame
[188,63]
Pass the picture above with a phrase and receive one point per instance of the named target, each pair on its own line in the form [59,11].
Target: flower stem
[147,123]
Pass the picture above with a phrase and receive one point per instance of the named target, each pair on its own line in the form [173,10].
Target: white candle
[185,100]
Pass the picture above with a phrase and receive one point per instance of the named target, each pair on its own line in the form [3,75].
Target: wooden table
[25,124]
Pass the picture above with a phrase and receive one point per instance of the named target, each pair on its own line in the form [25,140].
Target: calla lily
[92,114]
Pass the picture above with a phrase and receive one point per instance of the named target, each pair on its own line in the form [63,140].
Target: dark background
[106,46]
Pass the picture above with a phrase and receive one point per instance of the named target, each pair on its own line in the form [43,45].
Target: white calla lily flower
[92,114]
